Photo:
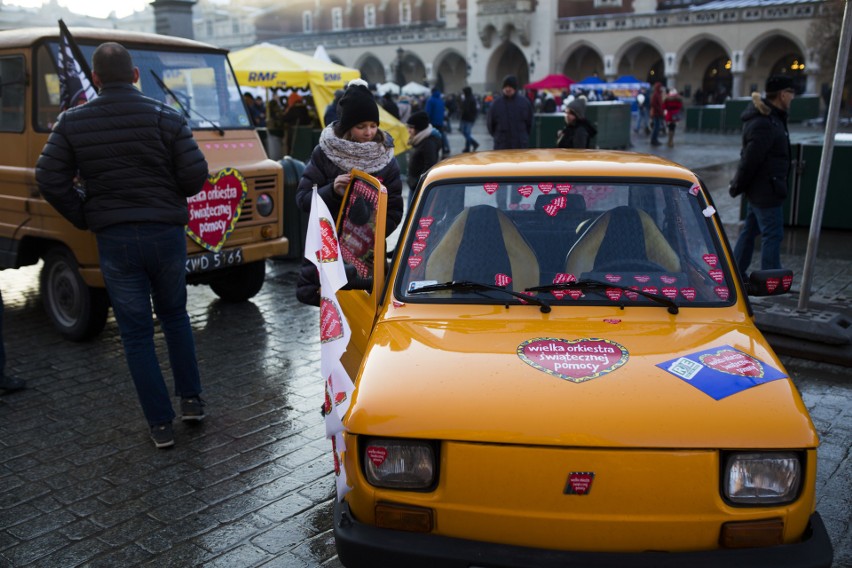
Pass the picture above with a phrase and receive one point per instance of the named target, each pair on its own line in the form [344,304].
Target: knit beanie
[778,83]
[418,120]
[510,81]
[357,105]
[578,106]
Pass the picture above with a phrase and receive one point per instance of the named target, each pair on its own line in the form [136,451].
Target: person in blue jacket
[437,110]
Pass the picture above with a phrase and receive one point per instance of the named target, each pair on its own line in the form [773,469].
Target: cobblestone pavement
[82,485]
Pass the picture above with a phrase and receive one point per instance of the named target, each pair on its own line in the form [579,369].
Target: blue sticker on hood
[721,371]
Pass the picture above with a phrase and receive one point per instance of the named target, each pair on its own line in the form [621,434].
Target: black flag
[75,83]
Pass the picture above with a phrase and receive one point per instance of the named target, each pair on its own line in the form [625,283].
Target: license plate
[213,260]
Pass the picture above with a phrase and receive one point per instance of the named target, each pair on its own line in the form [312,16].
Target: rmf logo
[260,76]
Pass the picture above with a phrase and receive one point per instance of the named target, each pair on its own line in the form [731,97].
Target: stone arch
[372,69]
[581,60]
[640,57]
[507,59]
[705,71]
[450,70]
[411,69]
[772,52]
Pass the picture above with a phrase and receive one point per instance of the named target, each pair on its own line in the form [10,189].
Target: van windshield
[203,84]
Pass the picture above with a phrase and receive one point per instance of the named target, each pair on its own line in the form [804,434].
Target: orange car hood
[465,380]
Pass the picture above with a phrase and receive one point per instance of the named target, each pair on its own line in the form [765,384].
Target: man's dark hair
[112,63]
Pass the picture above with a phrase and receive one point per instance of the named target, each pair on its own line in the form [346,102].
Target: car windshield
[565,241]
[199,85]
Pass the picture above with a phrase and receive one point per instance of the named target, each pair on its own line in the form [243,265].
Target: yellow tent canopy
[272,66]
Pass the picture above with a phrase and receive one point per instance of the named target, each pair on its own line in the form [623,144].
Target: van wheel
[78,312]
[240,283]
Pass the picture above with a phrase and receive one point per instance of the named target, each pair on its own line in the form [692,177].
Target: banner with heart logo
[575,360]
[721,371]
[214,212]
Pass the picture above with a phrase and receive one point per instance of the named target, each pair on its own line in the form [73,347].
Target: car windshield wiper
[597,285]
[469,286]
[183,108]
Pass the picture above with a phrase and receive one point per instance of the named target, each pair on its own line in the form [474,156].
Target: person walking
[578,131]
[354,141]
[389,105]
[643,104]
[672,109]
[437,111]
[138,163]
[469,111]
[762,173]
[425,144]
[657,113]
[7,383]
[509,119]
[275,126]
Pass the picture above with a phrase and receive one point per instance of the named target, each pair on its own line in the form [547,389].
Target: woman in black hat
[354,141]
[426,143]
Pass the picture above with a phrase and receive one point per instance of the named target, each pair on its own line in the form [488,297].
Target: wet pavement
[82,485]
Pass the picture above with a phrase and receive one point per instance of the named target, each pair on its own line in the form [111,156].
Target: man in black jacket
[122,166]
[762,173]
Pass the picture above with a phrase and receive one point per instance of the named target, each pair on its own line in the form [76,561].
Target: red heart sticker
[551,209]
[711,259]
[563,278]
[563,188]
[213,212]
[786,282]
[579,483]
[670,292]
[418,246]
[545,188]
[377,455]
[558,294]
[772,284]
[694,189]
[331,322]
[514,206]
[650,290]
[561,202]
[425,222]
[631,293]
[525,190]
[329,248]
[491,187]
[502,279]
[575,294]
[722,292]
[688,293]
[666,279]
[576,360]
[641,278]
[613,278]
[733,363]
[414,261]
[717,275]
[613,293]
[422,234]
[525,206]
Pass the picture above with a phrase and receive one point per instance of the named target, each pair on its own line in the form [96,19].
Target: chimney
[173,17]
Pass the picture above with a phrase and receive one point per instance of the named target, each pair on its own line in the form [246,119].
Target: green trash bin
[612,119]
[733,111]
[804,108]
[295,220]
[838,198]
[545,127]
[302,140]
[694,114]
[711,118]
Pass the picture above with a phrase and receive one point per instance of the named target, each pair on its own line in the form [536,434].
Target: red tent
[555,81]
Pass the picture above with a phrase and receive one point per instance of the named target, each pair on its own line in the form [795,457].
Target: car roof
[29,36]
[555,162]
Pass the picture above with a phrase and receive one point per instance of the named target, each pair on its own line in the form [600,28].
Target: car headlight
[264,205]
[398,463]
[767,478]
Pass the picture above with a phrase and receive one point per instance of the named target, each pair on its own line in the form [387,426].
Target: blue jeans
[656,128]
[641,120]
[141,261]
[767,222]
[469,142]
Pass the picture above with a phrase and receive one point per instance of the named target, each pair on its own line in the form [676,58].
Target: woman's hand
[340,184]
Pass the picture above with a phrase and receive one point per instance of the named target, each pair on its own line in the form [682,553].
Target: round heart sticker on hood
[575,360]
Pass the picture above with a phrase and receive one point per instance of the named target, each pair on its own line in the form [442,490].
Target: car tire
[77,311]
[240,283]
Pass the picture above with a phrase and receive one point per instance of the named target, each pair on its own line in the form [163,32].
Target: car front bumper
[360,545]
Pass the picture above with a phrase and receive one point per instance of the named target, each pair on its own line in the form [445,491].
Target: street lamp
[400,77]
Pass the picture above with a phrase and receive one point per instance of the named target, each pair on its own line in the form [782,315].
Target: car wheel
[240,283]
[77,311]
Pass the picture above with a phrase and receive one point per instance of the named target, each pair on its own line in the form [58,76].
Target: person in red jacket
[657,112]
[673,109]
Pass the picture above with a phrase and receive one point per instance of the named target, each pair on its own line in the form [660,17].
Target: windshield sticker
[613,277]
[631,293]
[694,189]
[575,360]
[709,211]
[563,188]
[613,293]
[502,280]
[525,190]
[426,222]
[643,278]
[564,277]
[721,371]
[722,292]
[418,246]
[670,292]
[666,279]
[711,259]
[490,187]
[688,293]
[716,274]
[414,261]
[422,234]
[545,188]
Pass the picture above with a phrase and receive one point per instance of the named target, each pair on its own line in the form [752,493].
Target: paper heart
[422,234]
[331,322]
[525,206]
[711,259]
[418,246]
[525,190]
[631,293]
[328,239]
[502,279]
[786,282]
[561,202]
[670,292]
[213,212]
[666,279]
[551,209]
[641,278]
[575,294]
[545,188]
[650,290]
[772,284]
[426,222]
[414,261]
[722,292]
[576,360]
[733,362]
[490,187]
[558,294]
[377,455]
[563,188]
[717,275]
[613,293]
[613,277]
[688,293]
[579,482]
[564,277]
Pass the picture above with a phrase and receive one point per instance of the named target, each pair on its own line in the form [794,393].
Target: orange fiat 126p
[561,368]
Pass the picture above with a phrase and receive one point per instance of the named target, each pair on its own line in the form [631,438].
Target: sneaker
[163,435]
[192,409]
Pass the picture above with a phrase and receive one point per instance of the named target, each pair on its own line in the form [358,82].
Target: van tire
[77,311]
[240,283]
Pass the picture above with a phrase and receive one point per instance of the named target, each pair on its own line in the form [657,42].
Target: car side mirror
[770,282]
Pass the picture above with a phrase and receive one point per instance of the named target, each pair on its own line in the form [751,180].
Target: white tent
[321,54]
[413,88]
[389,87]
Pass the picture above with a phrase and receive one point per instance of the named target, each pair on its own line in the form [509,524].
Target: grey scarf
[369,157]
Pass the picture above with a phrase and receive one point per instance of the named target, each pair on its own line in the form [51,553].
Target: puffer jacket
[509,121]
[136,156]
[764,165]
